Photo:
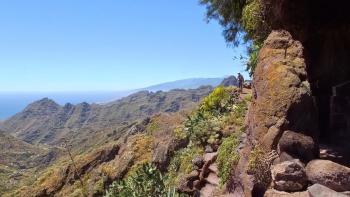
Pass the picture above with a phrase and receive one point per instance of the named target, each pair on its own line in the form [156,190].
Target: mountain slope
[31,142]
[20,160]
[46,122]
[152,139]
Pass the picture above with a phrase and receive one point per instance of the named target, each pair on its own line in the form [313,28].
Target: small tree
[242,20]
[68,147]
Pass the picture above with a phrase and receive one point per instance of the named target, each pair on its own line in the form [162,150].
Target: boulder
[298,146]
[329,174]
[208,149]
[192,176]
[120,165]
[210,157]
[318,190]
[198,162]
[164,147]
[289,176]
[214,168]
[186,184]
[213,179]
[283,156]
[275,193]
[197,184]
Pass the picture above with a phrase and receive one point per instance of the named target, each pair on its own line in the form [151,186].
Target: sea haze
[12,103]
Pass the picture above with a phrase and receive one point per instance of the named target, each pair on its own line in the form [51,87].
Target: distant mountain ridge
[11,103]
[229,81]
[46,122]
[190,83]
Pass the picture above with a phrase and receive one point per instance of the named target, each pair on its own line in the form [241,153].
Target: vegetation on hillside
[227,157]
[144,148]
[206,124]
[20,160]
[259,167]
[218,121]
[181,163]
[147,180]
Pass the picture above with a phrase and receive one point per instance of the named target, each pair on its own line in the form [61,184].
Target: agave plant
[146,181]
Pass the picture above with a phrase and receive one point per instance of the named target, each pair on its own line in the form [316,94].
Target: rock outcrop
[329,174]
[282,101]
[282,95]
[165,143]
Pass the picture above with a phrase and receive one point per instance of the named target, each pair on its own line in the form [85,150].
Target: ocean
[12,103]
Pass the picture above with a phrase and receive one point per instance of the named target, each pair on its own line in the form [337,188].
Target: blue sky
[89,45]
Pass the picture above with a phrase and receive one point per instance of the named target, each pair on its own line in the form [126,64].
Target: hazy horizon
[92,46]
[76,51]
[105,91]
[14,102]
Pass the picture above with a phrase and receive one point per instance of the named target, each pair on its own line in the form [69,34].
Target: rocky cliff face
[296,102]
[323,29]
[281,100]
[282,127]
[282,94]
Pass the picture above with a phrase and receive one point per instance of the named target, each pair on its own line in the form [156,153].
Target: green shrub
[181,163]
[248,98]
[205,124]
[146,181]
[99,186]
[216,100]
[227,157]
[258,167]
[253,21]
[180,132]
[204,130]
[253,57]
